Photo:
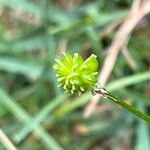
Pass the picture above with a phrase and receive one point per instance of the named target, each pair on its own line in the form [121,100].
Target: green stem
[130,108]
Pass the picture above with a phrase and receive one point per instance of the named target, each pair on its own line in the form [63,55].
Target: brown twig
[139,9]
[6,142]
[108,29]
[131,61]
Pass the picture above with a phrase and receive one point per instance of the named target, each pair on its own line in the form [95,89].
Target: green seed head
[76,75]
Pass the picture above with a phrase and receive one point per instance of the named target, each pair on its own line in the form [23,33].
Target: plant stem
[128,107]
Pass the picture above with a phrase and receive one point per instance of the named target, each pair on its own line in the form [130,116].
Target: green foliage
[34,113]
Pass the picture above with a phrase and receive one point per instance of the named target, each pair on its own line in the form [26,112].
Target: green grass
[34,112]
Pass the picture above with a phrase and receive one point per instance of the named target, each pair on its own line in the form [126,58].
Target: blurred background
[34,113]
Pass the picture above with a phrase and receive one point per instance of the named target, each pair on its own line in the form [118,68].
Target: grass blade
[39,118]
[133,79]
[24,117]
[27,68]
[143,139]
